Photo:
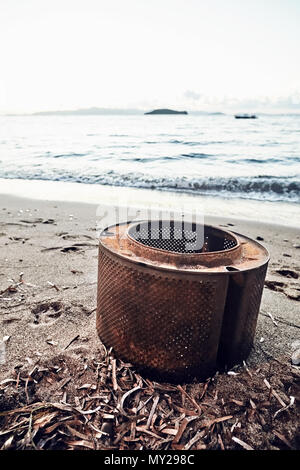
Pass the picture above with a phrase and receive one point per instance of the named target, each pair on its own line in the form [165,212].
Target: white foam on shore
[280,213]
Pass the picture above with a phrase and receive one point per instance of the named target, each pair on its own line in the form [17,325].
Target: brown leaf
[242,443]
[209,423]
[192,400]
[7,443]
[237,402]
[126,395]
[82,443]
[76,433]
[274,393]
[45,419]
[85,386]
[170,431]
[283,439]
[155,402]
[64,382]
[145,430]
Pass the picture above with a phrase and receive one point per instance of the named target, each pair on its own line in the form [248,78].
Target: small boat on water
[245,116]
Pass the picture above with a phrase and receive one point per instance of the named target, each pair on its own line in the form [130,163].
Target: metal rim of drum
[132,253]
[230,241]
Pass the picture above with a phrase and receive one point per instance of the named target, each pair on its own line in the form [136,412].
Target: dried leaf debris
[106,404]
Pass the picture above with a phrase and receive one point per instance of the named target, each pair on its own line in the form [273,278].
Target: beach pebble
[53,343]
[259,238]
[296,246]
[295,345]
[296,357]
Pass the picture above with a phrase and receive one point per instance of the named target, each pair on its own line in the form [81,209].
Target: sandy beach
[48,281]
[150,229]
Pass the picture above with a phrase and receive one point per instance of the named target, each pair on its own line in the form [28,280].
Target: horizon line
[94,110]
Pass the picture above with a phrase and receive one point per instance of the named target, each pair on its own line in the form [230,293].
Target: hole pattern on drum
[181,238]
[155,322]
[256,289]
[229,243]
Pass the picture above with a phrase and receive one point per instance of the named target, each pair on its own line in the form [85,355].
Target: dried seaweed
[106,404]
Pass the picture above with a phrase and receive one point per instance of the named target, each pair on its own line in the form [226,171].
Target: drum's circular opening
[181,237]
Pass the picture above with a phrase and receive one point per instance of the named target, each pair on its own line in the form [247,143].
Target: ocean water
[214,155]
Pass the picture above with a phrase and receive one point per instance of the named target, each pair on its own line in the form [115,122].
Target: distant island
[94,111]
[166,111]
[90,112]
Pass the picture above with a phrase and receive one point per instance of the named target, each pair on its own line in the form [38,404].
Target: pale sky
[191,54]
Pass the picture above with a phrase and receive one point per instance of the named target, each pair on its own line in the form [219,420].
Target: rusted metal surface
[174,313]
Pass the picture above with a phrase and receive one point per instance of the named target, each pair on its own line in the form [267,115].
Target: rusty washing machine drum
[173,312]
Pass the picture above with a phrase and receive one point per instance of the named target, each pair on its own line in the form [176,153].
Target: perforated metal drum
[176,301]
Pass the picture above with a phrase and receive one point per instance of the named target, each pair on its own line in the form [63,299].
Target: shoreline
[278,213]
